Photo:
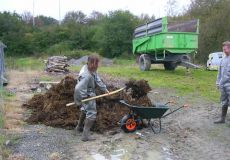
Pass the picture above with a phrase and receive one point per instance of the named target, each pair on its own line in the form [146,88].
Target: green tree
[27,17]
[214,24]
[12,33]
[75,17]
[45,21]
[109,34]
[114,36]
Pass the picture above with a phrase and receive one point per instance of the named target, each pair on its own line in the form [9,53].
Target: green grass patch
[46,78]
[125,62]
[24,63]
[195,81]
[75,68]
[1,120]
[1,108]
[4,151]
[200,82]
[2,139]
[7,95]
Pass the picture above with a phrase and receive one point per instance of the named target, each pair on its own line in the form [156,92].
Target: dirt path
[191,133]
[187,134]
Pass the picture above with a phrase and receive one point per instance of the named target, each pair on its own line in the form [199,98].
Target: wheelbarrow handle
[170,101]
[175,110]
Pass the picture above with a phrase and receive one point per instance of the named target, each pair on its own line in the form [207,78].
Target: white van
[214,60]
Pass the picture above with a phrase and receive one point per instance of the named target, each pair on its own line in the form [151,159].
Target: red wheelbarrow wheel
[128,124]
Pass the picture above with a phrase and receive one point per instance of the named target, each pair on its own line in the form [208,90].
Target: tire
[170,66]
[128,124]
[144,62]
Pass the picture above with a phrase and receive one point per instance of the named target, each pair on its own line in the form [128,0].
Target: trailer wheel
[144,62]
[128,124]
[170,66]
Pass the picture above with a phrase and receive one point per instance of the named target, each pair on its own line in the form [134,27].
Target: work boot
[79,127]
[223,115]
[88,124]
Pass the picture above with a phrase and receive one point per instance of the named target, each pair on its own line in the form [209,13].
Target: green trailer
[164,41]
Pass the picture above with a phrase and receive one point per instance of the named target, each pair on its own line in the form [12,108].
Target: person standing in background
[223,82]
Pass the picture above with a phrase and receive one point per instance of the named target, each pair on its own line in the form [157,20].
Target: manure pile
[50,108]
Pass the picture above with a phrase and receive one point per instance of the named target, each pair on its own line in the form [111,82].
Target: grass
[1,108]
[24,63]
[200,82]
[2,137]
[4,151]
[119,61]
[7,95]
[46,78]
[1,120]
[4,95]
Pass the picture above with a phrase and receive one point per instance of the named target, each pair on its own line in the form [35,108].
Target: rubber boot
[88,124]
[223,115]
[79,127]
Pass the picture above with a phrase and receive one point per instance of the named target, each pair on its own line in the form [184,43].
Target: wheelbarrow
[153,114]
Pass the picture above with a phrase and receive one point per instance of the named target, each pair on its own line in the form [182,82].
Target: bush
[77,53]
[59,48]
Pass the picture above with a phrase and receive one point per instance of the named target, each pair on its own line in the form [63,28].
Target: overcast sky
[51,7]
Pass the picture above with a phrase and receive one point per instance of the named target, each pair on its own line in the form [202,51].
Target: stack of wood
[57,64]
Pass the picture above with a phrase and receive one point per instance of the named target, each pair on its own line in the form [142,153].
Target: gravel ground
[186,135]
[40,142]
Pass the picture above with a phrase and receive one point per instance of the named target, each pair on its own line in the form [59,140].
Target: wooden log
[57,64]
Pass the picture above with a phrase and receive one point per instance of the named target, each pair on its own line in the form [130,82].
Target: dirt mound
[136,92]
[50,108]
[138,88]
